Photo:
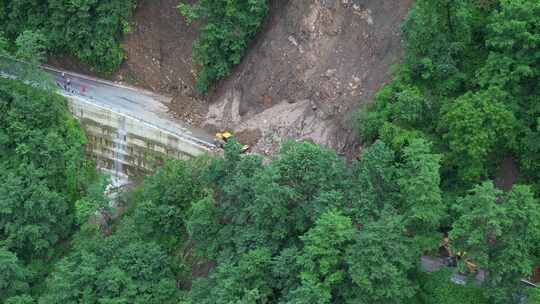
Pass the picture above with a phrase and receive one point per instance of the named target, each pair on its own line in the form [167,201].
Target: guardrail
[185,137]
[10,67]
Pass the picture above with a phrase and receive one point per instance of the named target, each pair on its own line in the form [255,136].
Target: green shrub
[228,28]
[437,288]
[533,296]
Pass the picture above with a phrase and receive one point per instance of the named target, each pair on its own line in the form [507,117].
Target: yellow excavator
[471,267]
[223,137]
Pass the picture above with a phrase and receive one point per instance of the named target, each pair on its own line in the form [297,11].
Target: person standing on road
[63,82]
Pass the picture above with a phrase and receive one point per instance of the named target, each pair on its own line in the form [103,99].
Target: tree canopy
[494,229]
[89,30]
[43,172]
[468,83]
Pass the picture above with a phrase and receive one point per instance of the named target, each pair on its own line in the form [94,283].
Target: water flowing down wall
[129,130]
[124,146]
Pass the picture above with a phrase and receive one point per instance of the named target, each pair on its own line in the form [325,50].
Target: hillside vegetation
[228,28]
[43,174]
[304,226]
[89,29]
[470,84]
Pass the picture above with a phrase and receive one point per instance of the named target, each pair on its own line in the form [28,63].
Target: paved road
[141,104]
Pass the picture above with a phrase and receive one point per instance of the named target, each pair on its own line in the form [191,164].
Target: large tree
[380,263]
[164,200]
[121,268]
[499,232]
[513,66]
[247,280]
[323,274]
[33,217]
[13,278]
[477,127]
[89,30]
[228,28]
[437,34]
[374,186]
[419,181]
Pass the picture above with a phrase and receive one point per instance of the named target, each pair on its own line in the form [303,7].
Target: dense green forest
[43,174]
[90,30]
[305,226]
[469,84]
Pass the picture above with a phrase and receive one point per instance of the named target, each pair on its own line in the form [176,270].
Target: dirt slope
[159,47]
[307,73]
[159,56]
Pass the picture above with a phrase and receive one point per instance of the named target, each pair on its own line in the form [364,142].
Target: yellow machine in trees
[223,137]
[455,256]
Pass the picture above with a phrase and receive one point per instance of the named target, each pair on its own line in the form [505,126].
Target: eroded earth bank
[303,77]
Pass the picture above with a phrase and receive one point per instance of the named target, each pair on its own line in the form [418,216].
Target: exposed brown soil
[507,174]
[71,63]
[159,56]
[309,70]
[249,136]
[159,48]
[303,77]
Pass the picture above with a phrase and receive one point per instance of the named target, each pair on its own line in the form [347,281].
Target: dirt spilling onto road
[303,77]
[159,57]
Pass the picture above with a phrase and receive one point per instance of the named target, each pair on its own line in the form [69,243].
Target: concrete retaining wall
[124,145]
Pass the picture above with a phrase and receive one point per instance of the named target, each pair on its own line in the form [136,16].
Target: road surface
[141,104]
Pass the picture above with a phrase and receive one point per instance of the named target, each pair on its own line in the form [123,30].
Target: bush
[437,288]
[533,296]
[228,28]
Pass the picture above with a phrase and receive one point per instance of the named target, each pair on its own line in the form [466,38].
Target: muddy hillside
[303,77]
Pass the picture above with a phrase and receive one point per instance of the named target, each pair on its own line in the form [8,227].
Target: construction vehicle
[453,257]
[223,137]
